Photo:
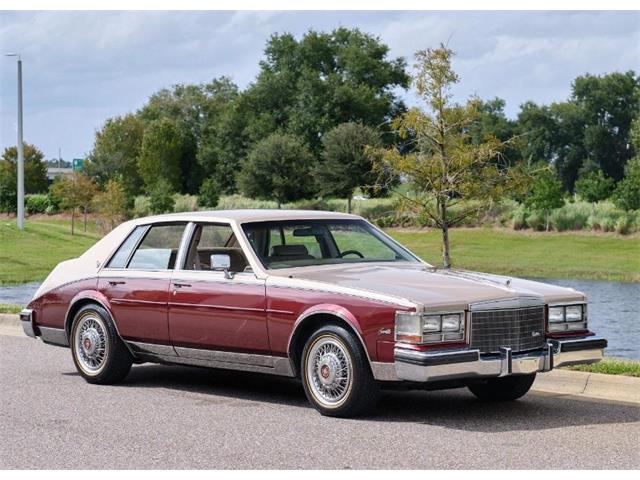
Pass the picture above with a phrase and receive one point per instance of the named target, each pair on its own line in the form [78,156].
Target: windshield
[300,243]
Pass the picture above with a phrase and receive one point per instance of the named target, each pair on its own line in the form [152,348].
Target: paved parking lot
[179,417]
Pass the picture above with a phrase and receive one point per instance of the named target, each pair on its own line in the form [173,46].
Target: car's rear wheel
[503,389]
[336,375]
[98,352]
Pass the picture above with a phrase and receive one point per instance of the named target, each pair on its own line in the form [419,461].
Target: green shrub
[161,197]
[36,203]
[185,203]
[627,193]
[608,224]
[209,194]
[141,206]
[624,225]
[311,204]
[536,221]
[572,216]
[519,218]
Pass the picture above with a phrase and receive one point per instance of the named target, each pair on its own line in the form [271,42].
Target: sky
[80,68]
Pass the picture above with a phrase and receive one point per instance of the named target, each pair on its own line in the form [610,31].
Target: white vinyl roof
[242,216]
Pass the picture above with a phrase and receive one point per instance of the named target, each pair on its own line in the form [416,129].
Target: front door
[207,309]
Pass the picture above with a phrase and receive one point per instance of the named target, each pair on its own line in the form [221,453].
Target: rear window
[159,248]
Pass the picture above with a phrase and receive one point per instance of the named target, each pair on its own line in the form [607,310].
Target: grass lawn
[31,254]
[611,366]
[9,308]
[531,254]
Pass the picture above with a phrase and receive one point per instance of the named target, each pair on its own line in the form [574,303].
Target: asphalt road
[179,417]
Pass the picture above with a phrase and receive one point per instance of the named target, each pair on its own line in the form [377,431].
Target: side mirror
[221,262]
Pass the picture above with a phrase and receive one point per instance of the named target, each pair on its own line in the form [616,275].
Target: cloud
[83,67]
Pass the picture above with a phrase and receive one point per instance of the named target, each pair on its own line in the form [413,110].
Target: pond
[614,310]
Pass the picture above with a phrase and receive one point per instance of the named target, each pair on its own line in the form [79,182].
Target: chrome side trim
[54,336]
[138,348]
[223,360]
[516,302]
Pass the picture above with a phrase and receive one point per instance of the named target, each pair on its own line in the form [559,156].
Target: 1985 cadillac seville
[325,297]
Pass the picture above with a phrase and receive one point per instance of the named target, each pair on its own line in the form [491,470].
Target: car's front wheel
[503,389]
[98,352]
[336,375]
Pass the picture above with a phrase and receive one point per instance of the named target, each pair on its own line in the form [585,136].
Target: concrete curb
[564,382]
[10,319]
[593,385]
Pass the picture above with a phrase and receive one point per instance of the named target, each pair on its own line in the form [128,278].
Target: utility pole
[20,209]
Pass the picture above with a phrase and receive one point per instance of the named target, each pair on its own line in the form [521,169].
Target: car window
[159,248]
[299,243]
[352,237]
[119,260]
[214,239]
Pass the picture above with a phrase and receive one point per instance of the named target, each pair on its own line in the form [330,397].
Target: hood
[432,287]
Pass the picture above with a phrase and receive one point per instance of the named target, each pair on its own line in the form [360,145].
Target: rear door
[137,278]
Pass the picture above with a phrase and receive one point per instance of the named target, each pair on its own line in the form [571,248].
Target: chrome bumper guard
[26,318]
[421,366]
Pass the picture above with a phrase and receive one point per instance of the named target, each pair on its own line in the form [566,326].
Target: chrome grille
[517,328]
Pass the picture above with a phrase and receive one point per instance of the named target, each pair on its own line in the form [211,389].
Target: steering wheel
[350,252]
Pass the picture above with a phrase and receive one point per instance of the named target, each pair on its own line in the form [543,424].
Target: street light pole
[20,209]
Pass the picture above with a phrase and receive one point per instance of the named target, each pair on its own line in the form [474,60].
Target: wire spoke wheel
[91,343]
[329,371]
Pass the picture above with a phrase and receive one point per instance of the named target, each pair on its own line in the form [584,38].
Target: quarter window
[159,248]
[119,260]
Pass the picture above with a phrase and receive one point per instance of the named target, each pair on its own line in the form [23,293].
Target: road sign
[77,164]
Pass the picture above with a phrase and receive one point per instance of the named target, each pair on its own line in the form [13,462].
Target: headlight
[415,327]
[568,318]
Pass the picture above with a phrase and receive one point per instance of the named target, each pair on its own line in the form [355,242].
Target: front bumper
[429,366]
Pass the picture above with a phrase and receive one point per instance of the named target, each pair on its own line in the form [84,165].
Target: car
[324,297]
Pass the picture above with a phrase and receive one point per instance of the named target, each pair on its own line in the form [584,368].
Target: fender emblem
[384,331]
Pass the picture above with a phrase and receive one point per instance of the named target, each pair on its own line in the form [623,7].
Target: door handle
[116,282]
[180,285]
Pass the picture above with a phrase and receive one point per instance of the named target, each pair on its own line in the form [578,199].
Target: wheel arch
[87,297]
[311,320]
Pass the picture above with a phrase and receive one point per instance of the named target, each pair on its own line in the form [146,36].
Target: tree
[592,126]
[161,197]
[209,193]
[76,191]
[594,186]
[306,87]
[35,169]
[115,153]
[627,193]
[160,154]
[545,194]
[212,135]
[348,156]
[278,168]
[111,205]
[491,123]
[8,186]
[445,168]
[608,105]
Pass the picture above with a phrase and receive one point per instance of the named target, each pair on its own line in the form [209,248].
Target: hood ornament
[508,282]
